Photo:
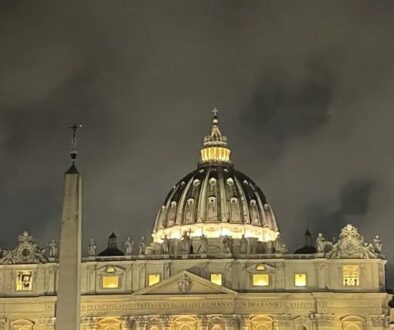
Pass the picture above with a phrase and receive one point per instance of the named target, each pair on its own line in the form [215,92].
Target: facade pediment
[185,283]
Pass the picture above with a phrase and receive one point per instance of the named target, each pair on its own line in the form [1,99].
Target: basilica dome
[216,200]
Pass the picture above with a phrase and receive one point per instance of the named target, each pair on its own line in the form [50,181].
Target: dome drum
[222,246]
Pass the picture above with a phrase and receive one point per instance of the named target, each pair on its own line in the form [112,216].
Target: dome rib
[215,197]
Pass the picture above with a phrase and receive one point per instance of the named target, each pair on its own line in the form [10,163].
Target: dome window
[196,182]
[190,201]
[230,181]
[212,181]
[266,206]
[252,202]
[212,199]
[173,204]
[234,200]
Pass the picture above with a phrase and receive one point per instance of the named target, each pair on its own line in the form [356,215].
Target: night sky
[305,89]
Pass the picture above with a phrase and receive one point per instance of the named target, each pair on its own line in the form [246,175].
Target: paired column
[245,323]
[140,322]
[3,323]
[231,322]
[126,323]
[203,322]
[89,323]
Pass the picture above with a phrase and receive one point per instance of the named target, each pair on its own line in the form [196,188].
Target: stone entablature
[223,310]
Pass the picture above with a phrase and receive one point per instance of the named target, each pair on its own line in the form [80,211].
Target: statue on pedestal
[92,248]
[166,245]
[203,248]
[53,249]
[186,243]
[243,247]
[226,245]
[377,244]
[128,246]
[141,246]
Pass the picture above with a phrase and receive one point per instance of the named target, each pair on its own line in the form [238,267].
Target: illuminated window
[153,279]
[260,267]
[261,280]
[24,281]
[216,278]
[350,275]
[300,279]
[110,282]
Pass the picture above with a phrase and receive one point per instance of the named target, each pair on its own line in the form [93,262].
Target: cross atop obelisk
[74,151]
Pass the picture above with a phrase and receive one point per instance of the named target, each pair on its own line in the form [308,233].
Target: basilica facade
[215,261]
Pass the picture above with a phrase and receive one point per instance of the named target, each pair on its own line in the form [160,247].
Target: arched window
[352,322]
[185,323]
[109,324]
[22,325]
[352,327]
[262,322]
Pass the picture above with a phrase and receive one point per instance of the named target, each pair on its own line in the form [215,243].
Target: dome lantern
[215,149]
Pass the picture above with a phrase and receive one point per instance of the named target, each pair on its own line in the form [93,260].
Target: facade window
[110,282]
[261,280]
[351,275]
[300,279]
[217,278]
[153,279]
[24,281]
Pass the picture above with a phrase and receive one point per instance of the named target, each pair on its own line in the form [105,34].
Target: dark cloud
[354,203]
[306,91]
[282,110]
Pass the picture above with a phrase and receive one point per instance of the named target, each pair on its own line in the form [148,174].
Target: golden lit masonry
[215,260]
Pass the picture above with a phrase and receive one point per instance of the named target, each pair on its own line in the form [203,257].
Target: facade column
[166,322]
[140,322]
[3,323]
[89,323]
[325,321]
[231,322]
[284,321]
[245,323]
[203,322]
[126,323]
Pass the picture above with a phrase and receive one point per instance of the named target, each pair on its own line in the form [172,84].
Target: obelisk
[68,305]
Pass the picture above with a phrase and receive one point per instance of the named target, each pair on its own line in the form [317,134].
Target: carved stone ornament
[351,245]
[184,284]
[26,252]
